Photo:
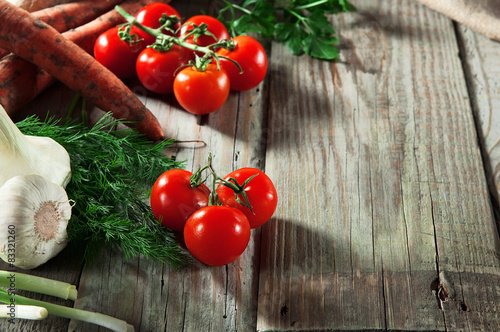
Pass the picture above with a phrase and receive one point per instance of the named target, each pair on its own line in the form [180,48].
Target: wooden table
[385,162]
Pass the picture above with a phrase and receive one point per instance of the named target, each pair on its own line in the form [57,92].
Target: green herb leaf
[320,49]
[112,173]
[258,17]
[302,25]
[292,36]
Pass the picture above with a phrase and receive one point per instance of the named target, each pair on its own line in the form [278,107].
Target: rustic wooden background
[387,167]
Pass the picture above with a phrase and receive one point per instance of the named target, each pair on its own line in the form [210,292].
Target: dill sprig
[112,174]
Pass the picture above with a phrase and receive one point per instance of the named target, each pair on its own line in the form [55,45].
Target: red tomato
[260,191]
[150,16]
[217,235]
[252,58]
[117,55]
[214,26]
[173,199]
[201,92]
[156,69]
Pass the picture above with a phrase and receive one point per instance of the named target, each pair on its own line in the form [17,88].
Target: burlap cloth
[482,16]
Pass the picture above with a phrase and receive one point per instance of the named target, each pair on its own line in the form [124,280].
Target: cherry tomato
[156,69]
[217,235]
[117,55]
[260,191]
[173,199]
[214,26]
[150,16]
[252,58]
[201,92]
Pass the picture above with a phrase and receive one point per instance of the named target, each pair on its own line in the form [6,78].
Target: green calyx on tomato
[247,189]
[231,183]
[192,38]
[125,34]
[260,192]
[118,54]
[196,32]
[159,18]
[239,190]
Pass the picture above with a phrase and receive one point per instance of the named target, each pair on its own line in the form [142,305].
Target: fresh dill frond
[112,175]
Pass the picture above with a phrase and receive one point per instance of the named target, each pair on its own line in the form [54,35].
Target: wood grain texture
[480,60]
[384,204]
[384,219]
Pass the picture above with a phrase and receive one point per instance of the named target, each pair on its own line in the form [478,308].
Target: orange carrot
[71,15]
[63,59]
[21,81]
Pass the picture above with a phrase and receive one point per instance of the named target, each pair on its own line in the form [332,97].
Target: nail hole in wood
[442,293]
[464,306]
[284,310]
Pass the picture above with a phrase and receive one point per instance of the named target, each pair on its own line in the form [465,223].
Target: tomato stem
[231,183]
[195,179]
[124,34]
[165,42]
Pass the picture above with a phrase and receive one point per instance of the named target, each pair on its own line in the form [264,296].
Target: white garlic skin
[26,155]
[38,234]
[35,155]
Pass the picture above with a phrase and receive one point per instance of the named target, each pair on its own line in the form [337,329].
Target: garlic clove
[50,160]
[34,215]
[26,155]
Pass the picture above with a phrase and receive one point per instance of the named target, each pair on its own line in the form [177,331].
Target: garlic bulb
[25,155]
[34,214]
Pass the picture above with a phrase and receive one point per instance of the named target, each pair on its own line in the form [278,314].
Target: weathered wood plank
[480,59]
[384,220]
[383,191]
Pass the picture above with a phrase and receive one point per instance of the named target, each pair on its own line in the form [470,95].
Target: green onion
[23,312]
[109,322]
[40,285]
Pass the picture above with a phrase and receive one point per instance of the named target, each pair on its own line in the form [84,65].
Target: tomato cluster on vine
[216,224]
[196,60]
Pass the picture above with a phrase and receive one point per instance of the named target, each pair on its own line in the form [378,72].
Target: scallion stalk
[40,285]
[23,312]
[109,322]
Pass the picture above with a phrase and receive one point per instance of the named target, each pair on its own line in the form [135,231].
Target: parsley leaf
[302,25]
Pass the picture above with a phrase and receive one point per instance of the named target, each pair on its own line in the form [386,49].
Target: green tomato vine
[164,42]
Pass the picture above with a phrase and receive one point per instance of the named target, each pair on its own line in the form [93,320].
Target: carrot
[71,15]
[34,5]
[21,81]
[63,59]
[85,36]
